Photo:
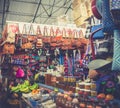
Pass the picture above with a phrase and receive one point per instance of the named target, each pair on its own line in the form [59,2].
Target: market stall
[50,66]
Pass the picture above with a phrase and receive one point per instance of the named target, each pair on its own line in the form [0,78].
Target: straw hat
[99,64]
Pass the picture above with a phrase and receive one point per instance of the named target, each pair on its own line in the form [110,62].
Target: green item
[34,86]
[56,89]
[25,90]
[52,66]
[36,77]
[13,89]
[26,82]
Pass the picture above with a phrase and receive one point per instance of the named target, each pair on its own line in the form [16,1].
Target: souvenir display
[70,66]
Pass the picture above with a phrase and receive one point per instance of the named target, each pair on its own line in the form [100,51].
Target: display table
[27,101]
[50,87]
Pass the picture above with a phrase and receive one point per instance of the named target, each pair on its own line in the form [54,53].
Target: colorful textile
[108,24]
[116,55]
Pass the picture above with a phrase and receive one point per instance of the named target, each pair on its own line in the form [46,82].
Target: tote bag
[108,24]
[115,10]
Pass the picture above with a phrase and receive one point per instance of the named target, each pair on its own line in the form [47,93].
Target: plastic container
[93,93]
[82,85]
[88,86]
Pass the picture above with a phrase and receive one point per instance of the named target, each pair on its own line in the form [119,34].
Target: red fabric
[95,10]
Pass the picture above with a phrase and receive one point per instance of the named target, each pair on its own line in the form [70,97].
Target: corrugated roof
[38,11]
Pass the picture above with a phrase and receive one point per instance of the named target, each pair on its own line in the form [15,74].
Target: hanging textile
[108,24]
[116,55]
[115,10]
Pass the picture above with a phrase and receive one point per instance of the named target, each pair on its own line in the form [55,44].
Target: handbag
[31,37]
[99,34]
[95,10]
[8,48]
[66,41]
[56,39]
[39,42]
[26,44]
[115,10]
[107,21]
[46,38]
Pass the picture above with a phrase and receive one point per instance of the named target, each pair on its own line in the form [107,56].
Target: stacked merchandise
[105,60]
[42,57]
[59,57]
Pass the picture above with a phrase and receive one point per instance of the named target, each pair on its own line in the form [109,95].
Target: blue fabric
[115,10]
[116,54]
[99,6]
[115,4]
[99,34]
[108,24]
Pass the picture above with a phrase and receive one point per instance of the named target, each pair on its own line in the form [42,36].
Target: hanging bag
[26,44]
[46,37]
[107,20]
[31,34]
[81,39]
[39,42]
[115,10]
[18,40]
[74,35]
[53,38]
[95,10]
[8,48]
[66,41]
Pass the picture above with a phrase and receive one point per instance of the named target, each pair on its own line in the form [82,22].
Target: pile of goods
[78,100]
[24,88]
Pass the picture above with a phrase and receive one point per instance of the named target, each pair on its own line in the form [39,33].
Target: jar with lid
[93,85]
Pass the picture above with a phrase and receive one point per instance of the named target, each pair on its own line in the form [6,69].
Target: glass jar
[88,86]
[93,93]
[82,85]
[93,85]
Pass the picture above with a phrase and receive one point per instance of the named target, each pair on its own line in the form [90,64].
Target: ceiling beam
[8,5]
[3,13]
[36,11]
[46,10]
[25,14]
[19,13]
[35,3]
[52,7]
[57,10]
[68,8]
[7,9]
